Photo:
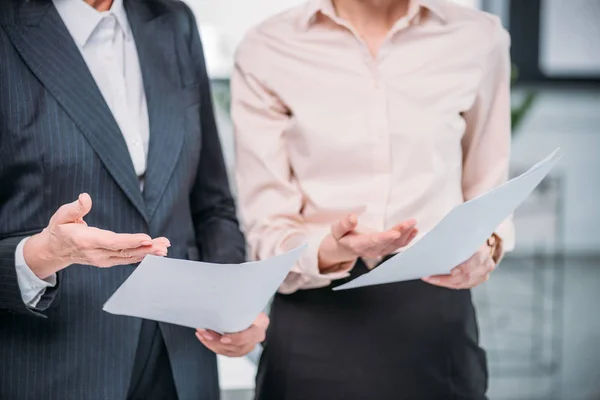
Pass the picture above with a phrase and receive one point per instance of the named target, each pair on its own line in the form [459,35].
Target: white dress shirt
[107,46]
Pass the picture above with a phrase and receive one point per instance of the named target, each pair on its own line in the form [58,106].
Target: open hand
[69,240]
[235,344]
[345,244]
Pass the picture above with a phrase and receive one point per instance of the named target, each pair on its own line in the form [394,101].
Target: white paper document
[460,233]
[222,297]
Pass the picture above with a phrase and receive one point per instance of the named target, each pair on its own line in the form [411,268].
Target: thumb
[262,321]
[74,211]
[344,226]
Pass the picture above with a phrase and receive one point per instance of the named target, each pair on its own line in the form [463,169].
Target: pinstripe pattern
[58,139]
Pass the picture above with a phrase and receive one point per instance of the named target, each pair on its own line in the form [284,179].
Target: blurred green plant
[221,94]
[518,112]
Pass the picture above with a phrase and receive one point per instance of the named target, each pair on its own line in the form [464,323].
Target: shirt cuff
[32,288]
[306,274]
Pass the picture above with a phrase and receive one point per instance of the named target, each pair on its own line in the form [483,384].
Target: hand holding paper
[460,233]
[469,274]
[235,344]
[221,297]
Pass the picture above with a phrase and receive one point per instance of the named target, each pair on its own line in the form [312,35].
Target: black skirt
[407,340]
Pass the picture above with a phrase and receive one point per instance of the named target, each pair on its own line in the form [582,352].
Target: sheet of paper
[460,233]
[222,297]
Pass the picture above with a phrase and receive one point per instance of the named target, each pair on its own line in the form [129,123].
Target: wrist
[332,255]
[39,257]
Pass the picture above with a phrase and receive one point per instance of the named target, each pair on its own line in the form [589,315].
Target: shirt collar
[81,19]
[326,7]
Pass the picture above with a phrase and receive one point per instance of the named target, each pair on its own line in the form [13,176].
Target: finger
[447,281]
[240,338]
[385,238]
[465,266]
[344,226]
[262,321]
[208,335]
[251,336]
[461,278]
[211,344]
[141,252]
[254,334]
[223,350]
[73,212]
[383,243]
[406,225]
[408,236]
[101,258]
[403,241]
[474,269]
[370,245]
[405,228]
[103,239]
[114,261]
[163,241]
[109,258]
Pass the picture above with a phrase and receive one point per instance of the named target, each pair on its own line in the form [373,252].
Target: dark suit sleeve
[10,293]
[213,209]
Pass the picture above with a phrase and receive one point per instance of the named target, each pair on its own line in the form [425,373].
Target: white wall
[570,38]
[223,24]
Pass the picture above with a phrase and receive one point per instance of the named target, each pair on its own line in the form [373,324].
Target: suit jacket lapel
[156,43]
[48,49]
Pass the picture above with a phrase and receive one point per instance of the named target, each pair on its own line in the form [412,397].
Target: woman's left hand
[235,344]
[469,274]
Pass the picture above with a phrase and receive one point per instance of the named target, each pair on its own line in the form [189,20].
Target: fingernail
[225,340]
[147,243]
[162,253]
[433,280]
[199,336]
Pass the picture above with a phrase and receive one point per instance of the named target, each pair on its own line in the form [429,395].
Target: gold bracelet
[493,243]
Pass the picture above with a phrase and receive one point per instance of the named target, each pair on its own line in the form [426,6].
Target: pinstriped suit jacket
[58,139]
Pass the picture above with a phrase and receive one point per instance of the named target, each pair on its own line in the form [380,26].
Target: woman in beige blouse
[357,122]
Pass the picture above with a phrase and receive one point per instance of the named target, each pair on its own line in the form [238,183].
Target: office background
[538,314]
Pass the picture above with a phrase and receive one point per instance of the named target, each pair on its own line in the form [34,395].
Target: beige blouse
[323,129]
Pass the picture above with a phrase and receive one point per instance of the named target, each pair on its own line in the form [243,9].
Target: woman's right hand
[345,244]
